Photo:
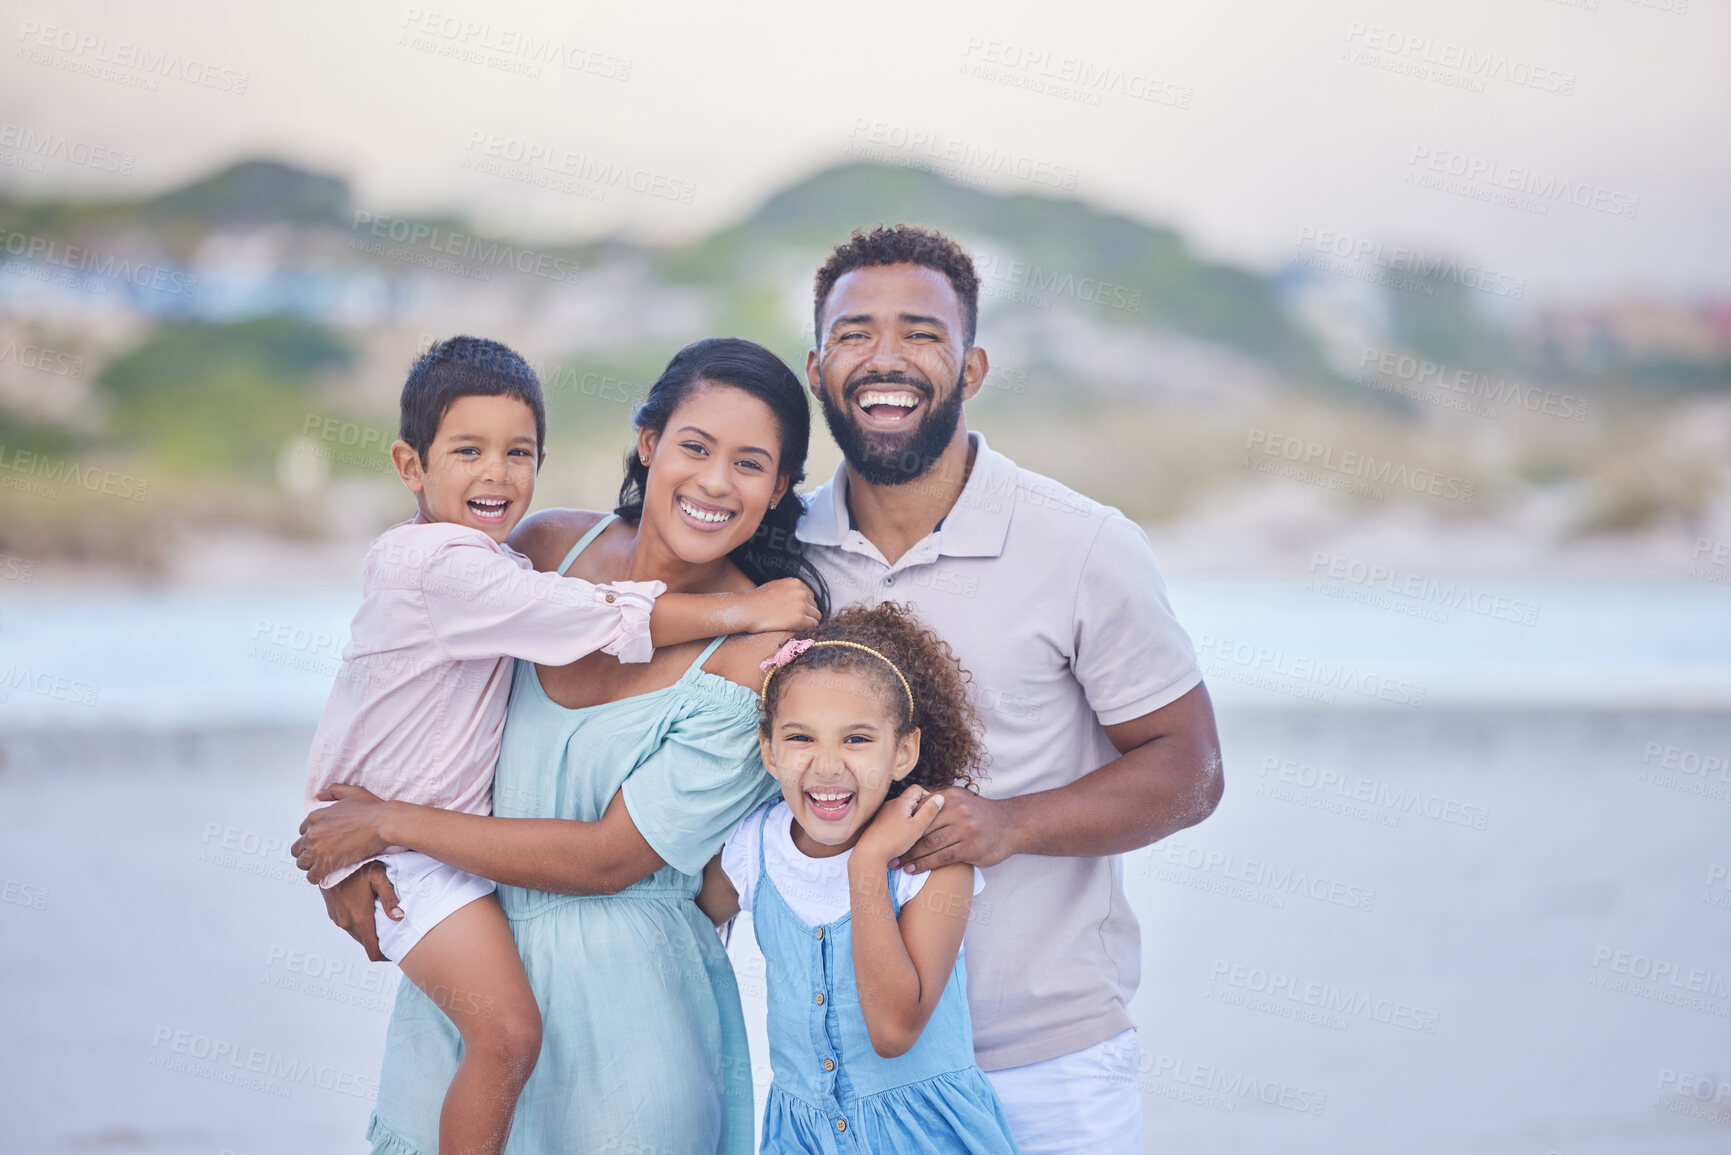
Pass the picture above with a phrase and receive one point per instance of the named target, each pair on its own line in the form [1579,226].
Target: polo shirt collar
[976,526]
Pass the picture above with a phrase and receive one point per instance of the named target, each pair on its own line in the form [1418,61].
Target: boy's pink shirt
[418,708]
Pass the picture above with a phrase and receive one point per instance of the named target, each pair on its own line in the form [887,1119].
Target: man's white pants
[1084,1103]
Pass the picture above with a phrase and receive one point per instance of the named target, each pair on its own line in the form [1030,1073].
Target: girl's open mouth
[490,510]
[829,805]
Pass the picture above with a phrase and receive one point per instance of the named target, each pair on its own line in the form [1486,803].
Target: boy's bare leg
[468,965]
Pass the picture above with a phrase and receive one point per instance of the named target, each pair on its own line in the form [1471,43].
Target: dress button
[612,598]
[829,1064]
[891,580]
[820,998]
[841,1124]
[820,932]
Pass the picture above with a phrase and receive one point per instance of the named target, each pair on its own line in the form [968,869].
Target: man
[1100,732]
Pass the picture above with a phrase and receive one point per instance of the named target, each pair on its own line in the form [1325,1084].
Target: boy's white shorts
[429,892]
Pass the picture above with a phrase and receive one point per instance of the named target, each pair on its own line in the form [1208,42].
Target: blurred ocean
[197,658]
[1478,902]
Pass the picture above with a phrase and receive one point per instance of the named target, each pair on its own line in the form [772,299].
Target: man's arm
[1167,777]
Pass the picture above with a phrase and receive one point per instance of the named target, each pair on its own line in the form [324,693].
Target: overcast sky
[1243,123]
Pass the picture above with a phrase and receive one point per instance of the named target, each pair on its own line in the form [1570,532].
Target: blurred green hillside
[1126,364]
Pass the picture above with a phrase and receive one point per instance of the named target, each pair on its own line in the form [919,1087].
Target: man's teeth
[715,517]
[901,400]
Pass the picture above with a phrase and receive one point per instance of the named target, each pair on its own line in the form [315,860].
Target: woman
[615,785]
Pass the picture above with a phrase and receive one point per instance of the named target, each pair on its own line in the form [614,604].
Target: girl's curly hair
[951,752]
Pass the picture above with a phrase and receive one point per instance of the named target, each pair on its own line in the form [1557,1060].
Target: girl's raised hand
[899,823]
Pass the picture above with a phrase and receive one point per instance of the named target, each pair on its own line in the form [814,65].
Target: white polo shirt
[1055,605]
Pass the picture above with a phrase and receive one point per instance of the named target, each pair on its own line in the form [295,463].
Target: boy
[418,708]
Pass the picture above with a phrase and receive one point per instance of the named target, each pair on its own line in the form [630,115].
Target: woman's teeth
[714,517]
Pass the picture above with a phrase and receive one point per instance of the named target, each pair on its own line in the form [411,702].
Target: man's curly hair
[951,751]
[902,245]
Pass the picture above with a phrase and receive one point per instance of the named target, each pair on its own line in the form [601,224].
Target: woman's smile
[702,516]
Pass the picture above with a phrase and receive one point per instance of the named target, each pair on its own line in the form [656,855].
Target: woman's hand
[898,824]
[350,905]
[349,831]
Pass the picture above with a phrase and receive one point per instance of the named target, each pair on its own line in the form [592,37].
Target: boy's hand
[898,824]
[783,604]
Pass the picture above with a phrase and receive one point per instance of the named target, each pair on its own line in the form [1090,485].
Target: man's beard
[900,458]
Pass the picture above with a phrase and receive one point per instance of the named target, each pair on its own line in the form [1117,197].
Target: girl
[863,719]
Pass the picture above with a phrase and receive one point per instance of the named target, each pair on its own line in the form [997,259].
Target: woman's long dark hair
[773,551]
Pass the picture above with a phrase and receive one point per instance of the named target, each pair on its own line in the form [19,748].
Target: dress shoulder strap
[714,644]
[583,542]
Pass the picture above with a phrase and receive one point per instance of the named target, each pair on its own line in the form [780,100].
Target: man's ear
[975,366]
[408,464]
[907,753]
[813,378]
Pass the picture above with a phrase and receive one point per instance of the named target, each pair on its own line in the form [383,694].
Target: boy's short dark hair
[465,367]
[902,245]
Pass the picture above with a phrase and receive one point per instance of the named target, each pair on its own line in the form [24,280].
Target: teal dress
[643,1042]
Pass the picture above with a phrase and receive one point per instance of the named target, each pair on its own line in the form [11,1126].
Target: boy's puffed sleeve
[483,604]
[705,777]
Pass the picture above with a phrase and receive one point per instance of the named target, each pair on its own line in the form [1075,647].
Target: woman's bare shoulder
[547,536]
[740,657]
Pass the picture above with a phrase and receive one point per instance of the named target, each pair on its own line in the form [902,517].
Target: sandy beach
[1434,930]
